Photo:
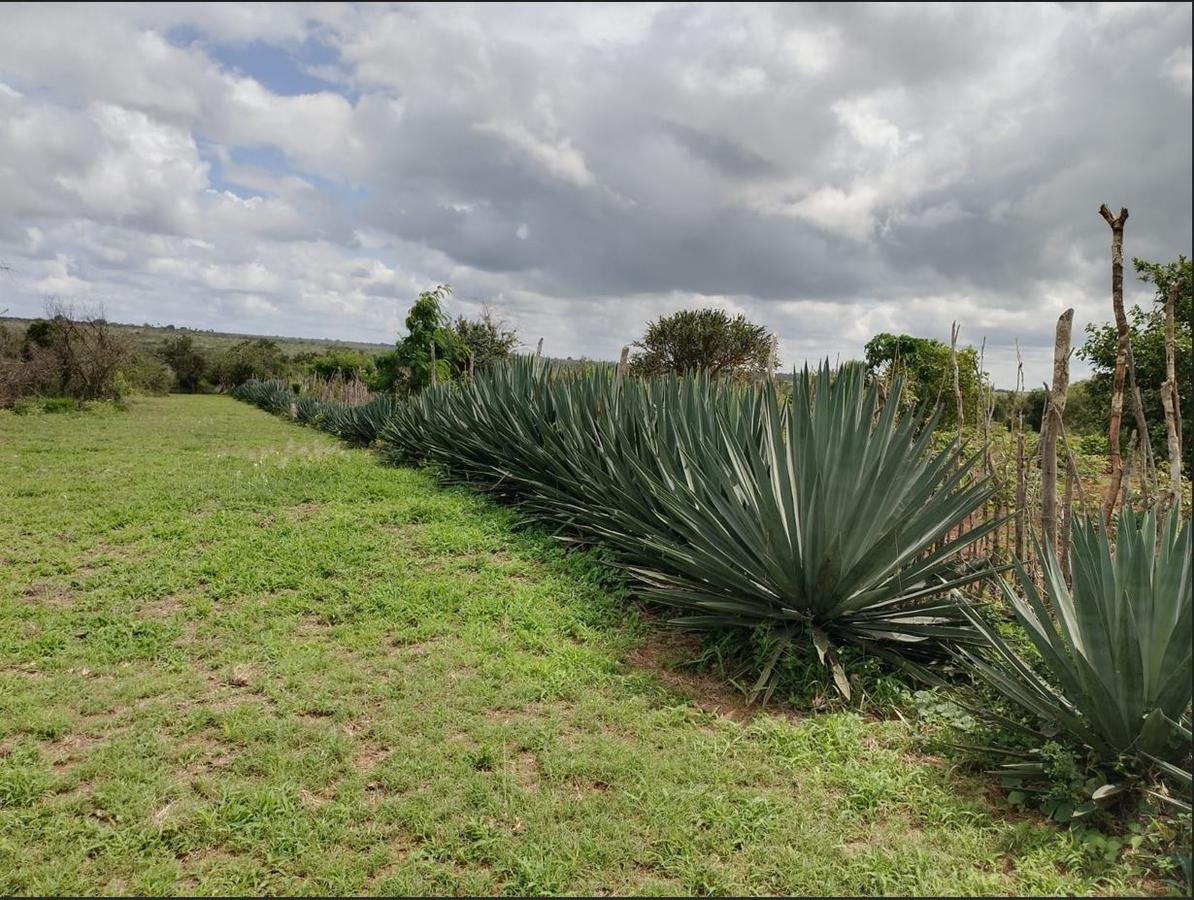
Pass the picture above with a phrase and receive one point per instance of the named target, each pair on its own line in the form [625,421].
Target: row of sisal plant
[825,519]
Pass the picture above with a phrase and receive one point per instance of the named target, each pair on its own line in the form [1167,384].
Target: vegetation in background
[338,363]
[1147,330]
[924,366]
[237,660]
[703,340]
[188,364]
[71,354]
[487,338]
[408,369]
[258,358]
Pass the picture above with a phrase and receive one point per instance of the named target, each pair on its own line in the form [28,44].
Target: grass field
[149,338]
[236,657]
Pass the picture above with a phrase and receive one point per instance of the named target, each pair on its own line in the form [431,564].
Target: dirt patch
[368,755]
[55,596]
[526,770]
[662,652]
[162,608]
[69,750]
[304,511]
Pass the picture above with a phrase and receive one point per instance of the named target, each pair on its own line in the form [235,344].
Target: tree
[339,362]
[73,354]
[427,325]
[257,358]
[1147,334]
[188,363]
[703,340]
[486,338]
[924,365]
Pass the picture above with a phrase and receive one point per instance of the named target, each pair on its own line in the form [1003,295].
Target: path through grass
[236,657]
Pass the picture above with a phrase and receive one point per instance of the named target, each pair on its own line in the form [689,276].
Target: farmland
[238,657]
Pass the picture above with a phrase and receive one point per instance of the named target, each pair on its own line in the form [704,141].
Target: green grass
[236,657]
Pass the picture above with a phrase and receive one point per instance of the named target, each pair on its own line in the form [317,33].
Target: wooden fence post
[1050,427]
[621,371]
[539,349]
[433,378]
[1121,356]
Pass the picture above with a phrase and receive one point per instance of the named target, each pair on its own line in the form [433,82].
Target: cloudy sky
[832,171]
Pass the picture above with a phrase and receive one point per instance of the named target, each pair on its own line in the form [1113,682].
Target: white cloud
[831,171]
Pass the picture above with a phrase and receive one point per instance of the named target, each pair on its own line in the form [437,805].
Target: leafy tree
[924,365]
[257,358]
[340,362]
[708,340]
[189,363]
[1147,331]
[487,338]
[426,324]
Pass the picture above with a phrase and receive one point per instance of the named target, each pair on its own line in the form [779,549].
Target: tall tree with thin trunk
[1051,427]
[1121,355]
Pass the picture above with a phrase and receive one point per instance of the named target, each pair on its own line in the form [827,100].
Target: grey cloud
[826,168]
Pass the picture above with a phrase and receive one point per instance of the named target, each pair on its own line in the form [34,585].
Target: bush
[67,354]
[259,359]
[186,362]
[142,374]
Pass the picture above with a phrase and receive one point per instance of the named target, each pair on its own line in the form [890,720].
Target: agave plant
[1115,647]
[829,518]
[307,409]
[360,424]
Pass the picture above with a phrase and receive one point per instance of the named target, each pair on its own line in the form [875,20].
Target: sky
[831,171]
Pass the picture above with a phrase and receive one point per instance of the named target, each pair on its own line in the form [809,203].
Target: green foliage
[339,362]
[1147,334]
[923,365]
[143,374]
[426,324]
[359,425]
[187,362]
[703,340]
[815,522]
[259,358]
[486,338]
[1115,649]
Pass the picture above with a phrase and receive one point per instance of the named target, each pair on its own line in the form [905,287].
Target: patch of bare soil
[55,596]
[664,652]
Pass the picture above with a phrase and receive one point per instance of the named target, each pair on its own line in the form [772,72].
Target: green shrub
[60,405]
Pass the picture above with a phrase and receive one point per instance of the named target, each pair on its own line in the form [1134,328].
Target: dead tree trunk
[1121,355]
[433,373]
[1051,427]
[1171,402]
